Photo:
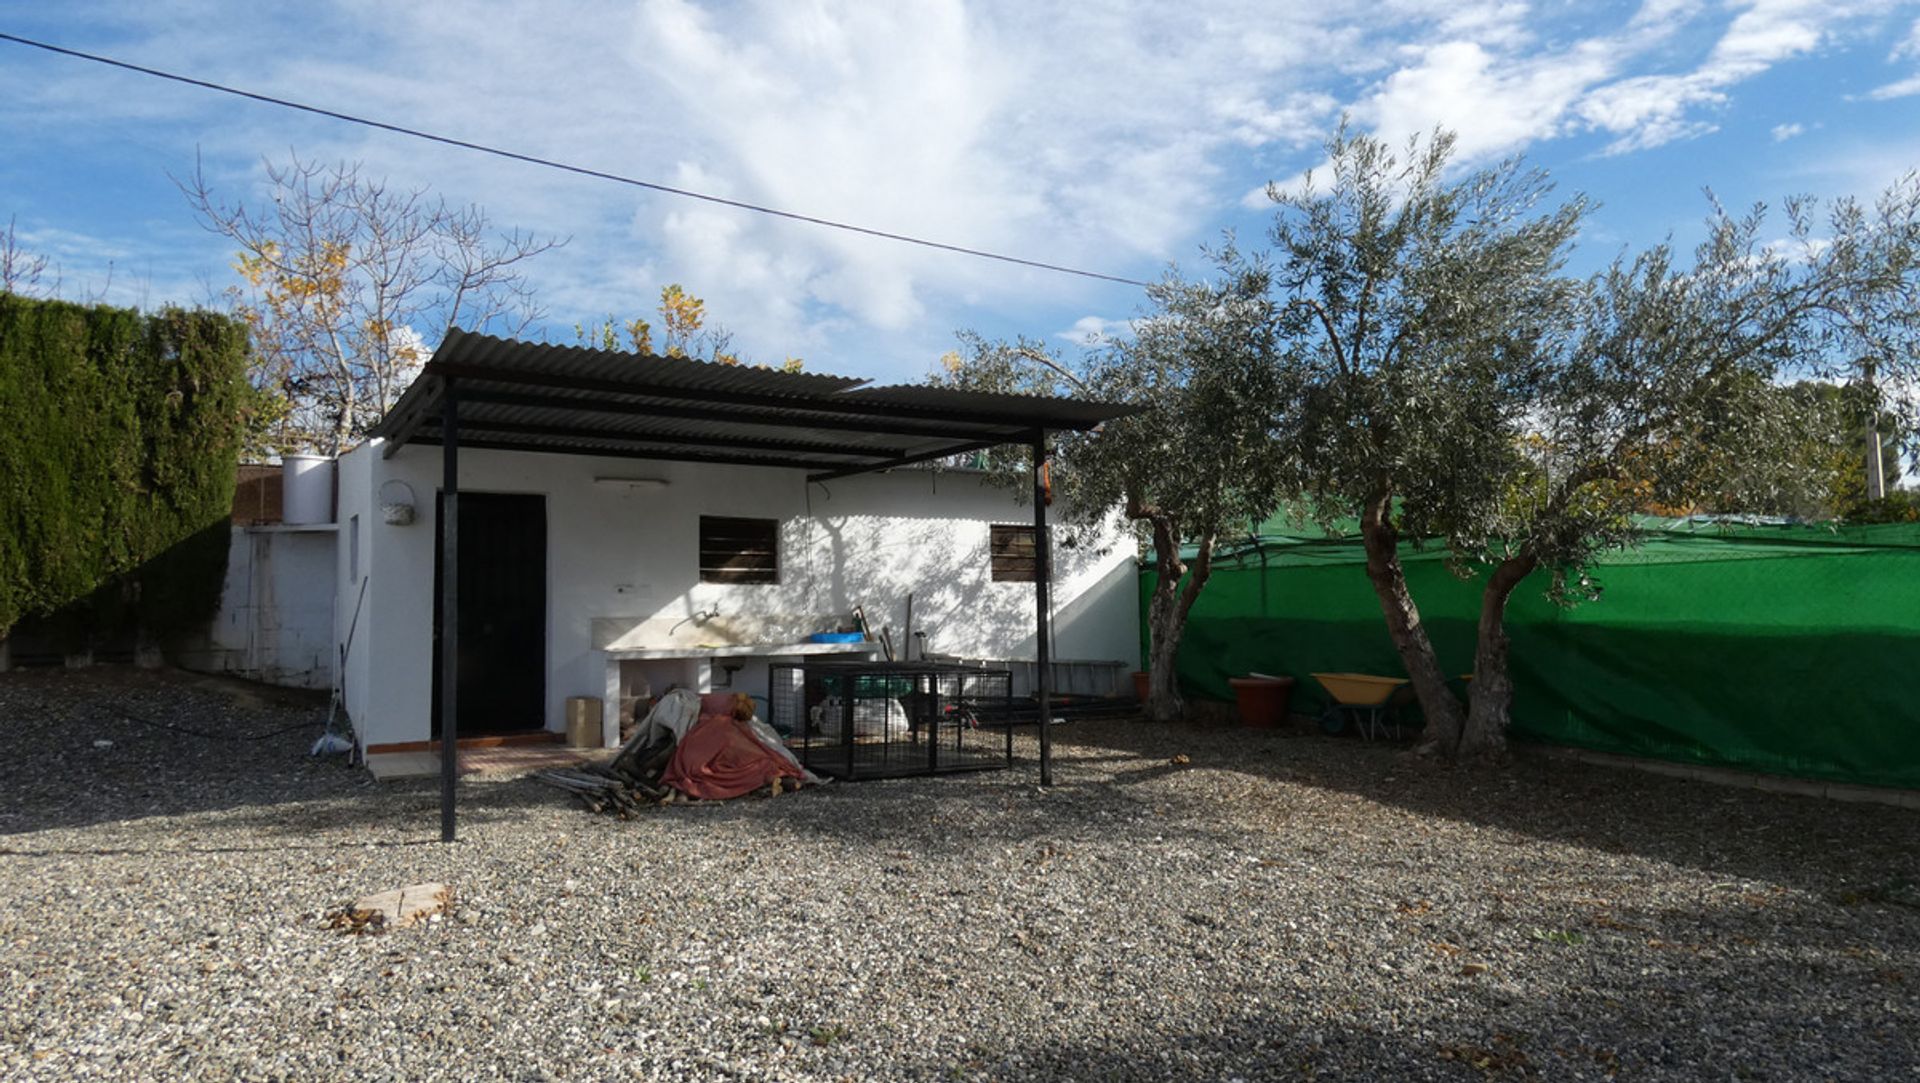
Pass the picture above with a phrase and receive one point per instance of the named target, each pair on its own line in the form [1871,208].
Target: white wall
[359,514]
[622,570]
[275,622]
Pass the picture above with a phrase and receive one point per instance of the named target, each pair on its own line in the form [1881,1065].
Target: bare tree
[346,283]
[20,270]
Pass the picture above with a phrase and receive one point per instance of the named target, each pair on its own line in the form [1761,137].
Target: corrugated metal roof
[568,399]
[508,418]
[465,347]
[1016,409]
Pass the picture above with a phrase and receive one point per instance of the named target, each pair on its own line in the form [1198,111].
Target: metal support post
[1042,603]
[449,605]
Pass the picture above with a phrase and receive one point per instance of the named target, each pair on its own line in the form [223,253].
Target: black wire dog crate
[860,720]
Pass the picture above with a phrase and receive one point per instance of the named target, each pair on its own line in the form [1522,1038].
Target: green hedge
[119,438]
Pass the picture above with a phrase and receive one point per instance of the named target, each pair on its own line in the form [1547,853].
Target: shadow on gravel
[118,745]
[1241,1045]
[114,743]
[292,847]
[1655,1027]
[1120,777]
[1811,843]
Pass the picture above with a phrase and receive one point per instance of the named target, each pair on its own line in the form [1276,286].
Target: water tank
[306,492]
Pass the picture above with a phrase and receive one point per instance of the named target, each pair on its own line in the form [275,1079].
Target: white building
[630,523]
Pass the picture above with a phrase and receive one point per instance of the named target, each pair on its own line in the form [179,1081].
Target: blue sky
[1115,136]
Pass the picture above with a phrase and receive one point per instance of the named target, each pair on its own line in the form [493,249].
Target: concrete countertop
[746,650]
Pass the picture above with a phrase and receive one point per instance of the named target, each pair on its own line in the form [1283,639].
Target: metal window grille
[739,550]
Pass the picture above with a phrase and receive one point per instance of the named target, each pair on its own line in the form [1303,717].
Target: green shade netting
[1786,649]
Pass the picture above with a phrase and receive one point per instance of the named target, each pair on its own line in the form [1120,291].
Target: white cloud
[1910,46]
[1083,136]
[1649,110]
[1903,88]
[1111,135]
[1094,331]
[1494,104]
[1297,119]
[1499,92]
[1784,132]
[139,272]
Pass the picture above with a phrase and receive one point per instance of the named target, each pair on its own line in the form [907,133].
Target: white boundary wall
[622,571]
[276,621]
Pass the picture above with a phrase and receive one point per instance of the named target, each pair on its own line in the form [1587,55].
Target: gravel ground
[1277,907]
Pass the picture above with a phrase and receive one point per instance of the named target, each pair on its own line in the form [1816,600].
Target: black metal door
[503,613]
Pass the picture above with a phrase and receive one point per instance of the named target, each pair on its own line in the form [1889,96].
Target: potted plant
[1262,699]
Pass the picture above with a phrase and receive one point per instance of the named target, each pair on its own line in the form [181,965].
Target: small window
[1012,551]
[353,549]
[739,550]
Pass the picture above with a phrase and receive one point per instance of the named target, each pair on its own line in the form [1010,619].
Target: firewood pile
[634,779]
[627,784]
[601,790]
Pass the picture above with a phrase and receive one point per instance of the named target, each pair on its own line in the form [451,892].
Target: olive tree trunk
[1491,694]
[1409,635]
[1176,586]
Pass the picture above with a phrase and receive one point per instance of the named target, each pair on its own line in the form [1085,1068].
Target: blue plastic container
[836,637]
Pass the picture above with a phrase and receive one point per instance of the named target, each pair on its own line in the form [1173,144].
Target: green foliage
[1423,310]
[1829,444]
[1200,457]
[1669,394]
[119,435]
[1205,367]
[1461,387]
[1899,506]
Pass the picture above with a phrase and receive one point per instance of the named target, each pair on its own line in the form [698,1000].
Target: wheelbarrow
[1366,699]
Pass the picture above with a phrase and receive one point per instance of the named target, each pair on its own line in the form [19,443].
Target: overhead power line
[549,163]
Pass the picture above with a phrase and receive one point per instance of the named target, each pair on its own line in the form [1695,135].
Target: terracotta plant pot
[1142,685]
[1262,700]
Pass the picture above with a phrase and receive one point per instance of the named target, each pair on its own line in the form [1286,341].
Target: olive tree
[1667,393]
[1202,457]
[1423,312]
[1464,391]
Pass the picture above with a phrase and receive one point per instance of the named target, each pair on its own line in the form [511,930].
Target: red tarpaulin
[720,758]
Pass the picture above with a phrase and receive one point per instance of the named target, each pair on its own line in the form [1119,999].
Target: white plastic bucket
[306,490]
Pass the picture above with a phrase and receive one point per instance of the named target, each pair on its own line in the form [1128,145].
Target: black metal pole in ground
[1042,574]
[449,603]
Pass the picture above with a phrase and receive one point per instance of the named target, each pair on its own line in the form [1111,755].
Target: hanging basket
[396,502]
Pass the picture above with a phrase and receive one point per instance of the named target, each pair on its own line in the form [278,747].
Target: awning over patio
[523,396]
[484,392]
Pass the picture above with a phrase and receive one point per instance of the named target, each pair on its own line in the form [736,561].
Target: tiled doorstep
[390,765]
[481,761]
